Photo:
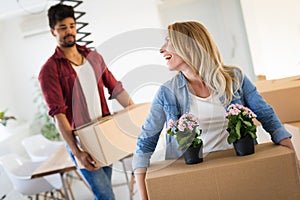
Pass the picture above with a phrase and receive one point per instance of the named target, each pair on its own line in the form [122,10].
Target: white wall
[22,57]
[5,81]
[223,20]
[115,16]
[273,28]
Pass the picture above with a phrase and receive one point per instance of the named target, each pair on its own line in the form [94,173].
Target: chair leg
[45,195]
[61,194]
[52,195]
[129,184]
[69,188]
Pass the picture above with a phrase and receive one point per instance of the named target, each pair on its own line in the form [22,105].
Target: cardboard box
[295,124]
[112,138]
[270,173]
[283,95]
[294,129]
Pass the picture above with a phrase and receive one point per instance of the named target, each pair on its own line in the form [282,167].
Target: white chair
[40,148]
[19,171]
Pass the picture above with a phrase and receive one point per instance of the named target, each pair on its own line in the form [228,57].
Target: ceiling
[10,8]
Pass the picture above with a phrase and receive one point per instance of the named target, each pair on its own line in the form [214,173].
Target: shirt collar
[181,80]
[60,55]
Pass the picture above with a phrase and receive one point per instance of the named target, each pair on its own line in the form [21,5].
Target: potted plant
[42,120]
[241,129]
[187,132]
[4,118]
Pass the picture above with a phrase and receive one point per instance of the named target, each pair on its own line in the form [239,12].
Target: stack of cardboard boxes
[284,96]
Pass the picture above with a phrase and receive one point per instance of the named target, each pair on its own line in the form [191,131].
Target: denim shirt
[173,99]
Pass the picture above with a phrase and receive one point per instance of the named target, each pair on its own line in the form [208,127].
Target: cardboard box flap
[94,122]
[278,84]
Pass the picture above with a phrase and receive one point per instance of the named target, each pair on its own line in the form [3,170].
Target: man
[72,82]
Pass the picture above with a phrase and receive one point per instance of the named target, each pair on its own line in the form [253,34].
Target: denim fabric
[173,99]
[99,180]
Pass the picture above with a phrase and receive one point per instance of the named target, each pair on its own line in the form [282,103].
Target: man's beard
[68,44]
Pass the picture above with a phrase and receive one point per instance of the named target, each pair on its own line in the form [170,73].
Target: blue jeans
[99,180]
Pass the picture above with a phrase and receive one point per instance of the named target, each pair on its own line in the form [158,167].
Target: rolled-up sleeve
[148,138]
[265,113]
[280,134]
[141,161]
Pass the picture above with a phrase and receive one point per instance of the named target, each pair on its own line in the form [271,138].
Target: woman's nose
[162,49]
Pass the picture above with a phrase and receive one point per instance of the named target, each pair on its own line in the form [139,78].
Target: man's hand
[87,161]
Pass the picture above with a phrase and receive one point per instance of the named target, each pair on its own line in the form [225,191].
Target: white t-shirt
[88,82]
[213,123]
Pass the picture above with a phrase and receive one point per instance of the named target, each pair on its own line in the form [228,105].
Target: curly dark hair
[59,12]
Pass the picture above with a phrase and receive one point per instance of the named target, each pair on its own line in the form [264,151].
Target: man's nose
[69,30]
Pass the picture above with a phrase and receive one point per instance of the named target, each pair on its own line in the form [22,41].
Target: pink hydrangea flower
[187,131]
[171,123]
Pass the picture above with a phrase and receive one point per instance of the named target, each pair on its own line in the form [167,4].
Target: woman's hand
[288,143]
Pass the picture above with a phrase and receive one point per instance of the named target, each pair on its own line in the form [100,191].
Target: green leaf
[184,139]
[231,139]
[253,129]
[253,135]
[197,142]
[247,123]
[197,130]
[169,131]
[238,129]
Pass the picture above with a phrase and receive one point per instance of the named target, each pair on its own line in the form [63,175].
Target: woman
[205,87]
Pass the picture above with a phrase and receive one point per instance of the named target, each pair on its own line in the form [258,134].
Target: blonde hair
[194,44]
